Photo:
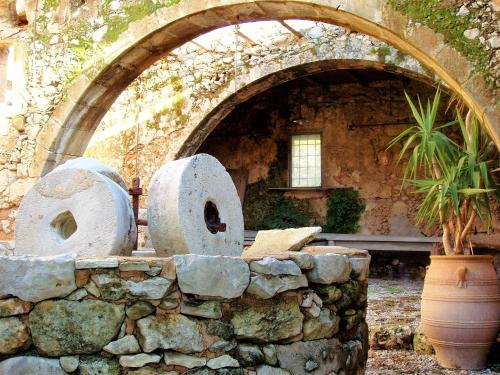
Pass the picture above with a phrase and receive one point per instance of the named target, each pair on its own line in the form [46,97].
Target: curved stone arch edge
[212,119]
[90,95]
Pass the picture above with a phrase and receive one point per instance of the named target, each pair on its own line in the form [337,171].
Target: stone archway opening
[91,94]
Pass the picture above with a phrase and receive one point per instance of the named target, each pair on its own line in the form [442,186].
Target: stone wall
[296,313]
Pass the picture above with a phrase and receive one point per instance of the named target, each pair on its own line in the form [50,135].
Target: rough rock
[126,345]
[78,295]
[360,267]
[113,288]
[148,370]
[222,362]
[139,360]
[267,320]
[270,356]
[212,276]
[249,355]
[27,365]
[267,286]
[330,355]
[208,309]
[14,335]
[14,306]
[303,260]
[323,327]
[330,268]
[472,33]
[173,331]
[139,310]
[391,337]
[272,266]
[268,370]
[134,265]
[95,365]
[420,343]
[184,360]
[275,241]
[37,278]
[69,363]
[70,327]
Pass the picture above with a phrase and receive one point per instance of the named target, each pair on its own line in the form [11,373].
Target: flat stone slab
[271,266]
[269,242]
[350,252]
[267,286]
[91,262]
[212,276]
[37,278]
[184,360]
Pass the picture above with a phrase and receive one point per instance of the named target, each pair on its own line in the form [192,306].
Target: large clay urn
[461,309]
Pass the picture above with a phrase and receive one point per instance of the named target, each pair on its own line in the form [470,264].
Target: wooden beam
[245,38]
[291,29]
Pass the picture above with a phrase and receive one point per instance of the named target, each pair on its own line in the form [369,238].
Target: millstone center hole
[63,226]
[212,218]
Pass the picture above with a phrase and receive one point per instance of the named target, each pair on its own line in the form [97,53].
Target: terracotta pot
[461,309]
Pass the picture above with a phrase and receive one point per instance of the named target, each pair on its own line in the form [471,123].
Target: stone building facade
[68,61]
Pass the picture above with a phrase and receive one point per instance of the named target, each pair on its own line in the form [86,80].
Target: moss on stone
[445,21]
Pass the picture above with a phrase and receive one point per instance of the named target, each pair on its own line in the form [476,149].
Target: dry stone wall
[188,314]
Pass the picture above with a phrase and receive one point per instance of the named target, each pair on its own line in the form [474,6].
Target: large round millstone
[188,201]
[75,211]
[94,166]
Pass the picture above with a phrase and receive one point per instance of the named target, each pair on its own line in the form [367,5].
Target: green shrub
[285,213]
[344,208]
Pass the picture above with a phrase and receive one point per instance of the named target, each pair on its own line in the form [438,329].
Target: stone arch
[90,95]
[210,119]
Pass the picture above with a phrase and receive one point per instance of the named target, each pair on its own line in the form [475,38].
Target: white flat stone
[266,286]
[126,345]
[177,199]
[277,241]
[27,365]
[271,266]
[75,210]
[134,265]
[138,360]
[89,263]
[35,279]
[212,276]
[222,361]
[184,360]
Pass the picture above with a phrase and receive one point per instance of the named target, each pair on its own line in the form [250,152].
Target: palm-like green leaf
[448,174]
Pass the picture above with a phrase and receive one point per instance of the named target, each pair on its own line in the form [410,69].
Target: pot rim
[462,257]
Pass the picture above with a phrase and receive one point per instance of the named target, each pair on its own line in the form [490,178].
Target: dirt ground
[398,301]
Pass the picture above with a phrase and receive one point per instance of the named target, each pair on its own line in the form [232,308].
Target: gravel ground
[398,301]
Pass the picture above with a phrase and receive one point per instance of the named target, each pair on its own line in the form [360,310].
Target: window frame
[290,146]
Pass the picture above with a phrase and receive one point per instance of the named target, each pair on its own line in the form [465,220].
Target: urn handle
[461,280]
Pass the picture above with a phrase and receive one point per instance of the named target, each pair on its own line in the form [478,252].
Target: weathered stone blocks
[37,278]
[71,327]
[268,320]
[31,365]
[173,331]
[123,321]
[330,268]
[207,276]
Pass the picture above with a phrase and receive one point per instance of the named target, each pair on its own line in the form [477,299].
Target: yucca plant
[455,177]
